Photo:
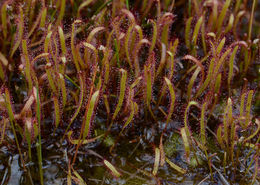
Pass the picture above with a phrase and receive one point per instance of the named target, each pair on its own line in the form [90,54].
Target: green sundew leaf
[208,79]
[3,59]
[83,5]
[63,90]
[62,11]
[49,72]
[4,121]
[165,33]
[154,37]
[2,73]
[102,6]
[222,15]
[105,66]
[220,62]
[187,32]
[43,17]
[122,92]
[248,107]
[81,96]
[148,80]
[19,33]
[136,58]
[227,120]
[170,68]
[238,17]
[27,65]
[35,24]
[163,59]
[162,153]
[8,105]
[186,117]
[131,116]
[3,18]
[139,31]
[62,41]
[196,31]
[198,63]
[78,56]
[127,39]
[219,137]
[172,93]
[255,133]
[127,4]
[90,46]
[136,82]
[251,20]
[191,82]
[218,83]
[144,5]
[220,46]
[89,113]
[73,49]
[56,110]
[231,65]
[93,33]
[11,119]
[185,141]
[237,6]
[203,124]
[203,33]
[39,146]
[156,161]
[46,45]
[176,167]
[242,105]
[214,14]
[117,53]
[113,170]
[129,15]
[230,23]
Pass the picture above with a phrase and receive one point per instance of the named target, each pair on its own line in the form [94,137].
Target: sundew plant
[129,91]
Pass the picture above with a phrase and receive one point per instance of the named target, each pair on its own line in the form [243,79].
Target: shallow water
[133,158]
